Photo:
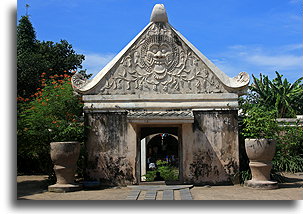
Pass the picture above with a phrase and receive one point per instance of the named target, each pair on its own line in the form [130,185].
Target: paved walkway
[160,192]
[35,188]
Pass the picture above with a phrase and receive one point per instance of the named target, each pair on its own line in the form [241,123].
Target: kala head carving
[159,55]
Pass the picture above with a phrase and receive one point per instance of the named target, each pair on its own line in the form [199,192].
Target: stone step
[152,183]
[159,187]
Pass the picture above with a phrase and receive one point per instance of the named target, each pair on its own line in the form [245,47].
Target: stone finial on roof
[159,14]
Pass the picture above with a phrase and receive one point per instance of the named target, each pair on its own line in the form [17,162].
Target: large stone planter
[260,153]
[64,156]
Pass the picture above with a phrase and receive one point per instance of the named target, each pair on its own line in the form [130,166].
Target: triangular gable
[159,60]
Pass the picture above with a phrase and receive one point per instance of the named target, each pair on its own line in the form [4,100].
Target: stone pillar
[107,148]
[143,158]
[213,156]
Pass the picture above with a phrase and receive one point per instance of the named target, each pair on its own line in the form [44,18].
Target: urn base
[261,184]
[62,188]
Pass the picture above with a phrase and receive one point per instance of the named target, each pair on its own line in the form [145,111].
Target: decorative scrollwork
[242,77]
[78,80]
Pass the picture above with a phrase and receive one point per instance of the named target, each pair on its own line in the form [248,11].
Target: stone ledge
[160,187]
[161,102]
[160,97]
[158,105]
[290,121]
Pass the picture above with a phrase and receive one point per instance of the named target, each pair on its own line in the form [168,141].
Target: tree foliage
[279,94]
[59,57]
[27,58]
[26,36]
[35,57]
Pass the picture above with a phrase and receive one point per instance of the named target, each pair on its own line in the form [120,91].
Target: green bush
[289,153]
[53,115]
[260,123]
[168,172]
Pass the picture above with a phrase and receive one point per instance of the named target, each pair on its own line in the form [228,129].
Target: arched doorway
[160,152]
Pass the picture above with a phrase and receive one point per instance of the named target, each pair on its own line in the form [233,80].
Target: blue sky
[255,36]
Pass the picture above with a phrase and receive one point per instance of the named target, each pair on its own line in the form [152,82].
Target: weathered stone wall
[210,149]
[109,158]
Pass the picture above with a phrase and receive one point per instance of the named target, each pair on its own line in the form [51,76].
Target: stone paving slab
[150,195]
[168,194]
[133,195]
[185,194]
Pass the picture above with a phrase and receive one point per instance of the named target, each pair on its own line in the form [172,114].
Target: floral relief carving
[160,63]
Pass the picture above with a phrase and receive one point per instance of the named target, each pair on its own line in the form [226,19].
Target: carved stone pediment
[160,61]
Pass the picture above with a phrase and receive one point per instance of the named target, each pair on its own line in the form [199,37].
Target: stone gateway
[161,99]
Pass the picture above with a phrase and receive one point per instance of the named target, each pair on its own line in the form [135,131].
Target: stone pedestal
[64,156]
[260,153]
[261,184]
[62,188]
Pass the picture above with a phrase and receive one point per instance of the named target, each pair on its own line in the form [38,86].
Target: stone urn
[64,156]
[260,153]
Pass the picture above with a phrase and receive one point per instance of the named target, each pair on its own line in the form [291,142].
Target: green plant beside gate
[168,172]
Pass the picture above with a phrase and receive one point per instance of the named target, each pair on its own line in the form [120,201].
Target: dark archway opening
[160,153]
[163,147]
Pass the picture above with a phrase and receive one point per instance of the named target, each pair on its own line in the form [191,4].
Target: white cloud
[279,61]
[284,57]
[255,59]
[94,62]
[292,47]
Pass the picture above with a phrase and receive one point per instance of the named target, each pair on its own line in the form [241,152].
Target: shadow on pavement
[31,187]
[291,182]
